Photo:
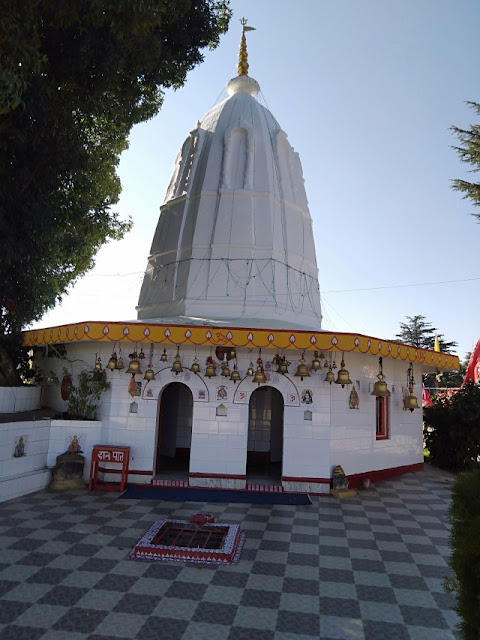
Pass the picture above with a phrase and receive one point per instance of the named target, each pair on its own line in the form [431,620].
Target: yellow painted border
[279,339]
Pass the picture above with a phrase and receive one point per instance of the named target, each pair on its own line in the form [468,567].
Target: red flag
[473,369]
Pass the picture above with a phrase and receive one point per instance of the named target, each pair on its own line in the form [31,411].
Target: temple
[226,379]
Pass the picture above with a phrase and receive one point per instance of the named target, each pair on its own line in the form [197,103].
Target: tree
[469,152]
[76,76]
[421,334]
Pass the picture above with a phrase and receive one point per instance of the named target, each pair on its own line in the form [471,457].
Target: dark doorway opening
[265,436]
[174,432]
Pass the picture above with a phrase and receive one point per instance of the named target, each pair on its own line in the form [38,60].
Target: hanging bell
[343,377]
[250,369]
[316,364]
[149,373]
[195,366]
[235,374]
[380,388]
[177,363]
[133,366]
[411,402]
[330,377]
[225,368]
[302,369]
[163,357]
[210,371]
[282,366]
[141,355]
[98,364]
[259,376]
[112,363]
[119,364]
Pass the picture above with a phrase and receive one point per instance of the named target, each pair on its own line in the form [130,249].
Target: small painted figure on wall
[19,450]
[307,396]
[353,400]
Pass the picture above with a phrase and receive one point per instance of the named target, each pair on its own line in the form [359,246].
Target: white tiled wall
[312,448]
[15,399]
[28,473]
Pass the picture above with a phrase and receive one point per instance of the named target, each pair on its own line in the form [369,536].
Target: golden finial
[242,67]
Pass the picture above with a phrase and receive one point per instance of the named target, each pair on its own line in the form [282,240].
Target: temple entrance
[265,436]
[174,432]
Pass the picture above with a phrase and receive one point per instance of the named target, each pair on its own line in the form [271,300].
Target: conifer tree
[469,152]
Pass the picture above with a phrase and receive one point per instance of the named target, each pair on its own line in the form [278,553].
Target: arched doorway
[265,436]
[174,431]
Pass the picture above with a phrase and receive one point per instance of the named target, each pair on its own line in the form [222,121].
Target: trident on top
[242,67]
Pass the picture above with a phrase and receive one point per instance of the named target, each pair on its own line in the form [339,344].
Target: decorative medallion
[229,335]
[86,328]
[126,331]
[353,400]
[250,337]
[389,348]
[292,338]
[59,332]
[202,394]
[369,344]
[270,338]
[146,331]
[208,335]
[188,333]
[105,330]
[334,340]
[167,333]
[307,396]
[313,340]
[356,342]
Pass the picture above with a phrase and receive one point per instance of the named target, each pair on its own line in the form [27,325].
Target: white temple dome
[234,242]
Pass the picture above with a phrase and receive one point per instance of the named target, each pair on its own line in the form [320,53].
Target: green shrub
[452,429]
[465,560]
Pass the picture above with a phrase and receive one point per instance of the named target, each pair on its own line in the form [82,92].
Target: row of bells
[380,388]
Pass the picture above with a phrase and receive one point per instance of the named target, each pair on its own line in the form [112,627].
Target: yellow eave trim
[280,339]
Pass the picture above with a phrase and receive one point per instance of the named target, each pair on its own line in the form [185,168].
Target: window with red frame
[382,417]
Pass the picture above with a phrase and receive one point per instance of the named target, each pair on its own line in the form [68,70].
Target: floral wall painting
[307,396]
[202,394]
[353,400]
[20,447]
[222,392]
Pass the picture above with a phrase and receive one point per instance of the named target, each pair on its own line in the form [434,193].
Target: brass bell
[98,364]
[133,367]
[225,369]
[330,377]
[316,364]
[210,370]
[195,366]
[259,376]
[282,366]
[302,369]
[119,364]
[163,357]
[343,377]
[380,388]
[235,374]
[250,369]
[411,402]
[149,373]
[177,363]
[112,363]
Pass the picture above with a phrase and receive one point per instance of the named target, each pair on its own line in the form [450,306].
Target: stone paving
[367,568]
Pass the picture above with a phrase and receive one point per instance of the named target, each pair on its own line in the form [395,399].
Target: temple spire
[242,67]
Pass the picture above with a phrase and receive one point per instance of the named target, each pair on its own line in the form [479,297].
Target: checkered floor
[369,568]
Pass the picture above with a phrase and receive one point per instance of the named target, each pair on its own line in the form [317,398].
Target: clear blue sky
[367,92]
